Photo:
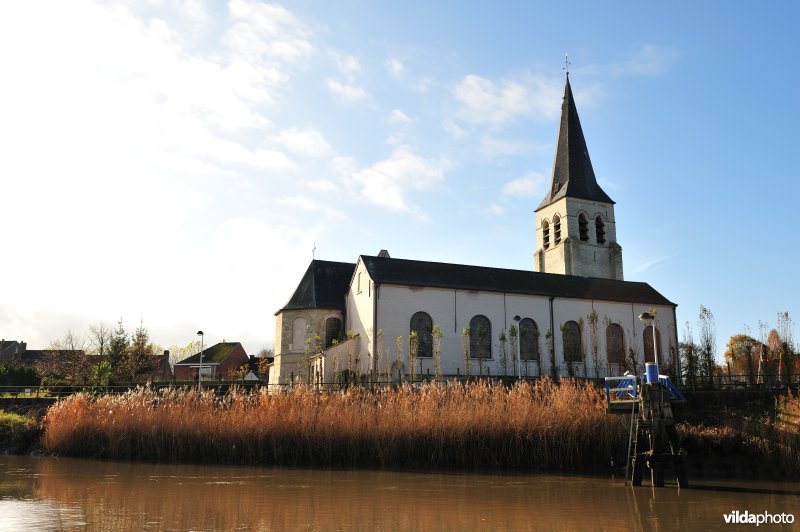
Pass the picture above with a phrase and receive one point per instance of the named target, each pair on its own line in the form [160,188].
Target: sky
[175,163]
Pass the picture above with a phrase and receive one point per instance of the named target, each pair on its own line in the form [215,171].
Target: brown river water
[47,493]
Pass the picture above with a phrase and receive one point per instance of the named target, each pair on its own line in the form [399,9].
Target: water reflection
[58,493]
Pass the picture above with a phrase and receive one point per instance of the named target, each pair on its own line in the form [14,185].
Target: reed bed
[542,425]
[746,444]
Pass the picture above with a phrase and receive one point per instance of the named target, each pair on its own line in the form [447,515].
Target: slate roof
[573,175]
[212,355]
[324,285]
[463,277]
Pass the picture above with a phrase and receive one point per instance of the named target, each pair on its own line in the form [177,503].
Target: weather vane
[566,64]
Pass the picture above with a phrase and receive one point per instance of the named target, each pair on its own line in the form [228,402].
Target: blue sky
[176,161]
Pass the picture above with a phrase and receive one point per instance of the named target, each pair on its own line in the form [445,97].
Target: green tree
[139,357]
[117,350]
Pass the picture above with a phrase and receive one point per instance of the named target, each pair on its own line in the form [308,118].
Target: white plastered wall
[453,309]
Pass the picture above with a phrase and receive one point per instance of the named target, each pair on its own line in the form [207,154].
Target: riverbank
[19,434]
[531,426]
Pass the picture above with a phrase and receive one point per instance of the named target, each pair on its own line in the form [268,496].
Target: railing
[622,397]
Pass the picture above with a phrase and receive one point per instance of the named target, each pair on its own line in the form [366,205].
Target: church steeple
[575,226]
[573,175]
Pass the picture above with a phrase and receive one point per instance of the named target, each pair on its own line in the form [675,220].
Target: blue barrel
[651,372]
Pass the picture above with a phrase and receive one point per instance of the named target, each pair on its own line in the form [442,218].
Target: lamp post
[519,350]
[200,369]
[646,317]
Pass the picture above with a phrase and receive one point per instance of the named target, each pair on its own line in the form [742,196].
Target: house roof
[463,277]
[211,355]
[324,285]
[573,175]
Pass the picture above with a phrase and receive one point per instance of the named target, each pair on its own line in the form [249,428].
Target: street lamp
[200,369]
[646,317]
[519,351]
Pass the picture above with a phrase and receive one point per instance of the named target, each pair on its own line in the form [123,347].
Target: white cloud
[497,104]
[531,184]
[322,185]
[398,117]
[307,141]
[387,183]
[649,60]
[348,64]
[651,264]
[305,203]
[263,33]
[349,93]
[193,11]
[395,67]
[454,129]
[494,209]
[493,147]
[133,142]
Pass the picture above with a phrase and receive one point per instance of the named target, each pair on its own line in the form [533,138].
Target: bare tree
[707,343]
[64,361]
[100,336]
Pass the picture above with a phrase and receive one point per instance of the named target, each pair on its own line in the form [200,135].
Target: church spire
[573,175]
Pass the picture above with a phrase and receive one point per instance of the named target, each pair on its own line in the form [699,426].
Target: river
[47,493]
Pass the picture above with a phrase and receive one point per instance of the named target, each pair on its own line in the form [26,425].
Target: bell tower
[576,230]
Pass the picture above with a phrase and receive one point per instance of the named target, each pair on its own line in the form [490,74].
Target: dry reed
[529,426]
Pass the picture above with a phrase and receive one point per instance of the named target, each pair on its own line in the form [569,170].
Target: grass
[477,425]
[17,433]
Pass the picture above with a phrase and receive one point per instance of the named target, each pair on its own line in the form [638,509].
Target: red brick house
[218,360]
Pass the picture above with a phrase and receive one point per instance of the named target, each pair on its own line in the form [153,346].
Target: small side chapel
[574,314]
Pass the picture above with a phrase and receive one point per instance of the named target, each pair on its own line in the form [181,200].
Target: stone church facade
[574,314]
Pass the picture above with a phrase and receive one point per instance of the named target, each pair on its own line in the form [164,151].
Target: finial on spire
[566,64]
[314,251]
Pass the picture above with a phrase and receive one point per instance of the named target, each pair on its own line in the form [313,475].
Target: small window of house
[333,331]
[583,227]
[600,228]
[545,234]
[528,340]
[422,324]
[571,338]
[299,333]
[480,337]
[557,229]
[615,344]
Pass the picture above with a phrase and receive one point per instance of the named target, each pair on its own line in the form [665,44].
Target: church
[573,315]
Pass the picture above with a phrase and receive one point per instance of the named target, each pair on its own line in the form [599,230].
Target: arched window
[299,333]
[480,337]
[557,229]
[528,340]
[615,344]
[422,324]
[583,227]
[333,330]
[546,234]
[571,337]
[647,338]
[600,229]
